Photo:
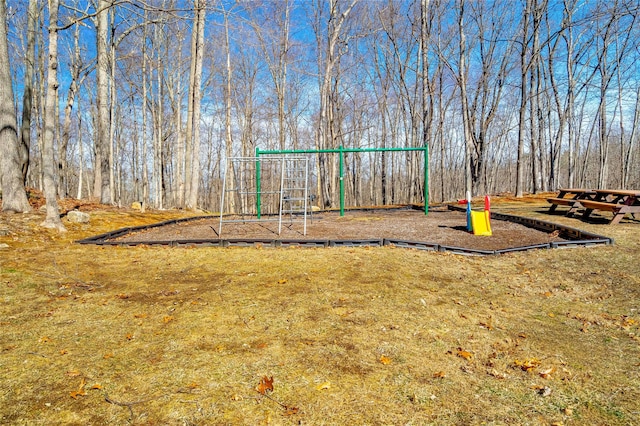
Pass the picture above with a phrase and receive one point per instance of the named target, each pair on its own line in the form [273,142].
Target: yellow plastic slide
[481,223]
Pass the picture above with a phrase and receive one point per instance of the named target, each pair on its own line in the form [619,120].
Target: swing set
[341,151]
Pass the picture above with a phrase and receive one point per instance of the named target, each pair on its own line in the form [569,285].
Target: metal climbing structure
[294,194]
[265,189]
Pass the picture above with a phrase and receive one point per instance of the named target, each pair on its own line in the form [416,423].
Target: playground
[441,226]
[266,201]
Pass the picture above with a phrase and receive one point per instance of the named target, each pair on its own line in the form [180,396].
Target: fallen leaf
[122,296]
[107,355]
[439,375]
[282,281]
[63,351]
[324,386]
[290,411]
[385,360]
[96,386]
[498,375]
[80,392]
[464,354]
[488,324]
[44,339]
[168,319]
[547,294]
[546,374]
[628,322]
[527,364]
[265,385]
[129,336]
[140,315]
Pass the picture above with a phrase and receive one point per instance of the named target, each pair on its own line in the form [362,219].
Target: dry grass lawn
[140,335]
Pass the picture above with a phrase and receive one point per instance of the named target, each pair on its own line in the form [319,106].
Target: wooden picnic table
[570,197]
[619,202]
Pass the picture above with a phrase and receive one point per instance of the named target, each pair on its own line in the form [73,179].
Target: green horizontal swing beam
[341,150]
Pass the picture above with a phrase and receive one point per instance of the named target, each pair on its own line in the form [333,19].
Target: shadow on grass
[593,219]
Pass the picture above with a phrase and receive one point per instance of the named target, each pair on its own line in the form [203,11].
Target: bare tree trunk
[570,106]
[627,153]
[102,166]
[192,197]
[427,97]
[440,136]
[561,111]
[157,114]
[27,97]
[80,154]
[524,69]
[39,100]
[231,205]
[282,77]
[534,133]
[14,196]
[112,112]
[612,29]
[185,179]
[274,44]
[327,131]
[466,119]
[145,169]
[63,186]
[52,219]
[535,108]
[603,170]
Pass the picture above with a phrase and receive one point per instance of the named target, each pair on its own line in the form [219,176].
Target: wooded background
[143,101]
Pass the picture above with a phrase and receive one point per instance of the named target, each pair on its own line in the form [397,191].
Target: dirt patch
[440,226]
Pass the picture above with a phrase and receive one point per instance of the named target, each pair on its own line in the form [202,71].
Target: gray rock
[76,216]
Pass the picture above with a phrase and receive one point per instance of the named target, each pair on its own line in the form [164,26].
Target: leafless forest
[143,101]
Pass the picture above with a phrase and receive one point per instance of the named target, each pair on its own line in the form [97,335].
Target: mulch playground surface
[440,226]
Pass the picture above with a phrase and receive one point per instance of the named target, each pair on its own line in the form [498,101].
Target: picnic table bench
[619,202]
[571,197]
